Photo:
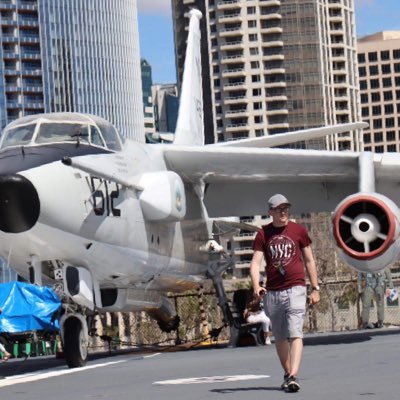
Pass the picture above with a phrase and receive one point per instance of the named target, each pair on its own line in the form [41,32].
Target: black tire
[75,346]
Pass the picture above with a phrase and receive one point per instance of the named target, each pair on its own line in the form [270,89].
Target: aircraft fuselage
[85,220]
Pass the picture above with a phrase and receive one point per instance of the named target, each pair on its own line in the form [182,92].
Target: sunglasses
[282,209]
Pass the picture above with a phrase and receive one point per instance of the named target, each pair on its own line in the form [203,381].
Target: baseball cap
[276,200]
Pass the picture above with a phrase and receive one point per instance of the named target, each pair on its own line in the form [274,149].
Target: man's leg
[380,306]
[296,352]
[290,353]
[295,316]
[283,351]
[366,305]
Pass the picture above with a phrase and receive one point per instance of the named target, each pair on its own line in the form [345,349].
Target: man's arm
[311,268]
[255,271]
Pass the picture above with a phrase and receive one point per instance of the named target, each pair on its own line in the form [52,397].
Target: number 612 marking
[103,196]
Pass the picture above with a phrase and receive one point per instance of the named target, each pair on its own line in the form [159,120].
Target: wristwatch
[316,288]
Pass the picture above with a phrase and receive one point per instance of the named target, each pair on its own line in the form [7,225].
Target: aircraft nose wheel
[75,343]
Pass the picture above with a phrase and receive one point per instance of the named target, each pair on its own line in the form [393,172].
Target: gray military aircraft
[114,225]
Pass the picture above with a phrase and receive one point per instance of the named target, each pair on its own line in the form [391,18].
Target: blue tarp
[27,307]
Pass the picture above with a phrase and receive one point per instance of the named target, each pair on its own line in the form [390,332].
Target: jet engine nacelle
[366,228]
[163,196]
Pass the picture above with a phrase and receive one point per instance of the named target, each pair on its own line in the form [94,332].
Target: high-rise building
[166,106]
[71,55]
[379,74]
[148,108]
[271,66]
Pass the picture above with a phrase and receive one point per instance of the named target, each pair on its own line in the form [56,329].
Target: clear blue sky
[156,32]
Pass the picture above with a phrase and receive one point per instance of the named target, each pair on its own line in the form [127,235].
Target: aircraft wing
[282,139]
[240,180]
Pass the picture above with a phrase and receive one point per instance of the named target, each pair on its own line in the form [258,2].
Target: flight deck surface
[349,365]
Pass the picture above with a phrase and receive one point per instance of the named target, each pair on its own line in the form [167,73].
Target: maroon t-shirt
[282,251]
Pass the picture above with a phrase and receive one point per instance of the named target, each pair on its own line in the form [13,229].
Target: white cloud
[162,7]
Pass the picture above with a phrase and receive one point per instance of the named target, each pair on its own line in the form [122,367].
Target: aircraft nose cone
[19,204]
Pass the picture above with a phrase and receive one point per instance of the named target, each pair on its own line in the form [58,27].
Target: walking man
[285,246]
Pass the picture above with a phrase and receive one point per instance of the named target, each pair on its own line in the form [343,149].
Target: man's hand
[259,292]
[314,297]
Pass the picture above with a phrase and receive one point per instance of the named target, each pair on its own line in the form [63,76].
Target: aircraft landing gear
[75,287]
[75,340]
[219,261]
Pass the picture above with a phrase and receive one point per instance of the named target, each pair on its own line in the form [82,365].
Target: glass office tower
[71,55]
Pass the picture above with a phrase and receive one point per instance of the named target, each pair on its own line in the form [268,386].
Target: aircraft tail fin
[190,127]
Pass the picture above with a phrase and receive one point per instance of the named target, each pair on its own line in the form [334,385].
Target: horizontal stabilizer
[282,139]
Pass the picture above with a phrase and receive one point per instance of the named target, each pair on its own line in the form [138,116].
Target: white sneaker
[268,341]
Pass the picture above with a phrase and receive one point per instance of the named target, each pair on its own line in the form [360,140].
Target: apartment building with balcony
[379,74]
[80,56]
[272,66]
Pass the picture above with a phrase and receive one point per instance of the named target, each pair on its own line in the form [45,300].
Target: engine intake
[366,229]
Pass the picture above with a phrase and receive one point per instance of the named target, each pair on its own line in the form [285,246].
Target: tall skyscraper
[71,55]
[276,65]
[148,109]
[379,71]
[166,105]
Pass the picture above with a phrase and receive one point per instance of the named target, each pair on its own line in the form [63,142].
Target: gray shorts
[286,309]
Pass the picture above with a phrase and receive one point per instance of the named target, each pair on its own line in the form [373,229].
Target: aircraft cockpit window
[95,137]
[19,136]
[50,132]
[110,135]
